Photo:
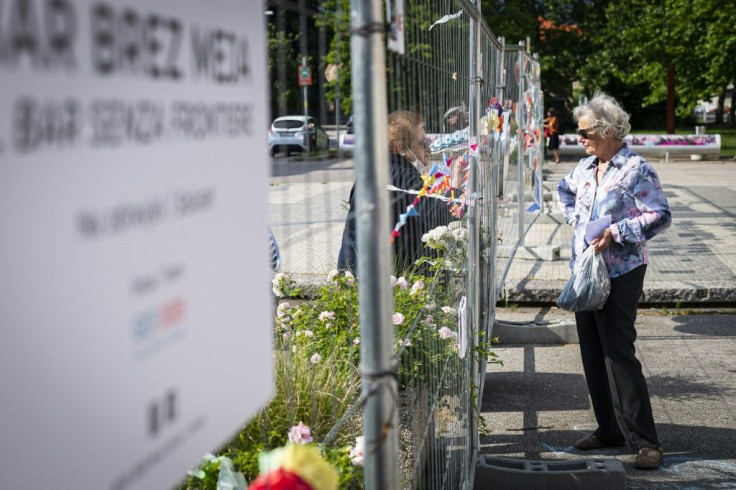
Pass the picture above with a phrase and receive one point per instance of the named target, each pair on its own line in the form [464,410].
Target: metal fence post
[379,390]
[497,179]
[474,227]
[338,45]
[520,144]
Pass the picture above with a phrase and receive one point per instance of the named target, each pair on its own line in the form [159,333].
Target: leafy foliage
[317,355]
[624,47]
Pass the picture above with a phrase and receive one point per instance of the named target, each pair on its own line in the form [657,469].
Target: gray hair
[607,114]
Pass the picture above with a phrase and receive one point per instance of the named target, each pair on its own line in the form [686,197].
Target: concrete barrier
[522,474]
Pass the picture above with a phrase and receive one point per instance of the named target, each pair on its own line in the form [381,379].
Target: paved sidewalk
[537,403]
[694,261]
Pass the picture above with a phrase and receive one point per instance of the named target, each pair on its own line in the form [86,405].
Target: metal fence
[423,333]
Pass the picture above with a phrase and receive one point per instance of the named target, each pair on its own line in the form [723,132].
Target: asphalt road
[294,169]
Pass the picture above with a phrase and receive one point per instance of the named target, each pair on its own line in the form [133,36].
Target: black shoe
[592,442]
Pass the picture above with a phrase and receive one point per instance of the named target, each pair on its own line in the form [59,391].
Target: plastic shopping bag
[589,286]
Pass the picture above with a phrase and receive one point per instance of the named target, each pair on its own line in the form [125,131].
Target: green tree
[562,32]
[335,17]
[720,48]
[640,40]
[282,60]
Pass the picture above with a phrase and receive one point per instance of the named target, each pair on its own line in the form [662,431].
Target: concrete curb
[330,155]
[701,293]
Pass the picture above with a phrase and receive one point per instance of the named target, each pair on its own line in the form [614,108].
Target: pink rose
[300,434]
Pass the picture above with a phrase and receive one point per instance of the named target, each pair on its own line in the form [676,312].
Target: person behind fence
[619,186]
[408,160]
[551,131]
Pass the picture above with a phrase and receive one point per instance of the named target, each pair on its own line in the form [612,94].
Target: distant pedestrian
[552,133]
[615,183]
[408,161]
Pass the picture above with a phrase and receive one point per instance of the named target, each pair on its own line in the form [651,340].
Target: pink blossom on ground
[309,333]
[326,315]
[357,453]
[276,282]
[418,285]
[429,320]
[282,307]
[315,358]
[300,434]
[398,318]
[356,341]
[402,283]
[350,278]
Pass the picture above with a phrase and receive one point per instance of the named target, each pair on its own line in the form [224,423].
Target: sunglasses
[425,143]
[585,133]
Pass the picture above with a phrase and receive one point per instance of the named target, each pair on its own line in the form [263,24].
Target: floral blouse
[630,193]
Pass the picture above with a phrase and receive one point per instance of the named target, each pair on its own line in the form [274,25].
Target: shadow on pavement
[709,325]
[519,391]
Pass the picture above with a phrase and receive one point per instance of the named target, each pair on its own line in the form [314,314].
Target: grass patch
[728,141]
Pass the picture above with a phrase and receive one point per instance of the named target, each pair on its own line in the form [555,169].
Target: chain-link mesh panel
[462,107]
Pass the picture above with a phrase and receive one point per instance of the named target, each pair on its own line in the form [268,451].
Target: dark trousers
[616,383]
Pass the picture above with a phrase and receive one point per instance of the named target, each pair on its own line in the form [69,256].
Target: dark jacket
[408,246]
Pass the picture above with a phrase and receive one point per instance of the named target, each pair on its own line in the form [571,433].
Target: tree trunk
[719,110]
[671,99]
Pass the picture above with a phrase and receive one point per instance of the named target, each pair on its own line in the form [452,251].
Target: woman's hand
[457,174]
[603,241]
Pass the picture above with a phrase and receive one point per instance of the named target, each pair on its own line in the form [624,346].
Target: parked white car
[296,133]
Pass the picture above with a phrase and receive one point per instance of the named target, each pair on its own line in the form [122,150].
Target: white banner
[134,286]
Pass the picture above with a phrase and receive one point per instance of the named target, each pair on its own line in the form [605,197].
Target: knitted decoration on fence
[437,181]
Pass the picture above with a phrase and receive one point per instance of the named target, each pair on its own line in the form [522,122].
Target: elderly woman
[409,159]
[614,183]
